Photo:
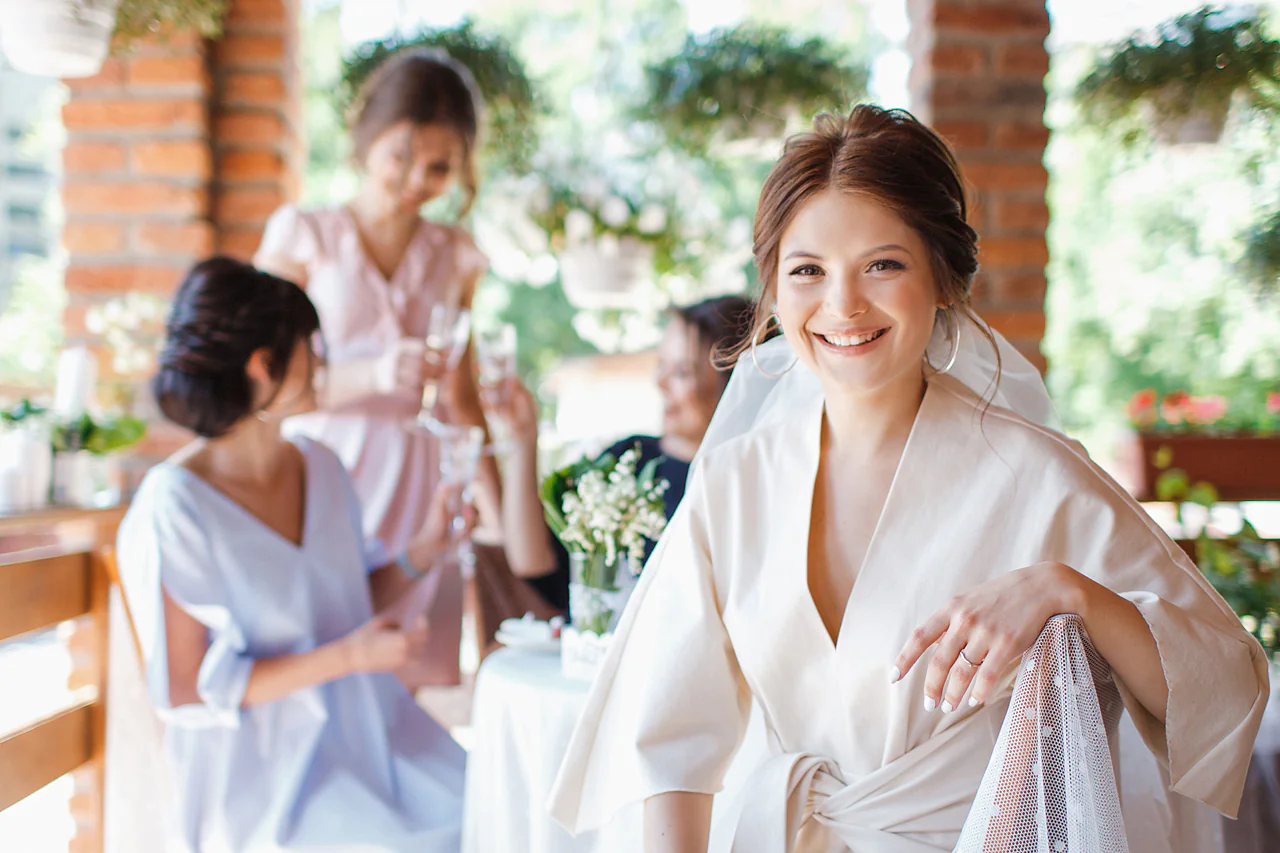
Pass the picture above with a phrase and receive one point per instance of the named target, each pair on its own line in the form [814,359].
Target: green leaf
[1203,494]
[21,411]
[115,434]
[555,518]
[1173,485]
[649,472]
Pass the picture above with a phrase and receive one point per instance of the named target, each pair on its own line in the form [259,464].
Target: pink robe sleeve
[289,239]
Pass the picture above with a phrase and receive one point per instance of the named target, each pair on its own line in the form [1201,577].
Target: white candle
[77,372]
[13,490]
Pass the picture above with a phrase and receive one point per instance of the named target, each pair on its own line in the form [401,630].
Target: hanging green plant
[511,103]
[1182,79]
[748,81]
[1261,260]
[139,19]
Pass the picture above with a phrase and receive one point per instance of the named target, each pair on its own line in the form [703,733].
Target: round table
[522,718]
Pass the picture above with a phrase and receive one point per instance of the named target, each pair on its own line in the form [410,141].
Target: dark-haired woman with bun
[375,268]
[268,621]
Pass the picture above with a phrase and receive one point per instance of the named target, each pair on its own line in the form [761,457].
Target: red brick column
[257,120]
[174,152]
[977,76]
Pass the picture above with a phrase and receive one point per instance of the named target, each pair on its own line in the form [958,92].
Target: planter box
[1241,468]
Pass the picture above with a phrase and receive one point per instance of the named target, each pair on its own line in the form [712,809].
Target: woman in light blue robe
[254,598]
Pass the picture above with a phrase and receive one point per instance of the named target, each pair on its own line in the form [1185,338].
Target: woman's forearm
[524,527]
[275,678]
[677,822]
[1121,635]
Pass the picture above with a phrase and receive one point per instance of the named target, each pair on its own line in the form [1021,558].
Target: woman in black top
[691,386]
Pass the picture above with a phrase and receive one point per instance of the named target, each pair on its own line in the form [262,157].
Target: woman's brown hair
[421,86]
[885,155]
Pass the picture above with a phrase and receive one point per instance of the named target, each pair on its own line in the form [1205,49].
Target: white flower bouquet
[605,507]
[604,512]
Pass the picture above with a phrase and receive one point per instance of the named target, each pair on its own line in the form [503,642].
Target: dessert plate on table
[530,634]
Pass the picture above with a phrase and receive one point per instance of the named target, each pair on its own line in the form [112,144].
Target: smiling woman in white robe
[979,524]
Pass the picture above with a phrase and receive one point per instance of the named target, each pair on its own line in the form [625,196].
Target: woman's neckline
[301,447]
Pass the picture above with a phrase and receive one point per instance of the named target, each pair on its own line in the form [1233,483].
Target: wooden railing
[40,588]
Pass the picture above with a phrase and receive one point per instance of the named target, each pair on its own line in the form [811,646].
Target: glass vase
[598,591]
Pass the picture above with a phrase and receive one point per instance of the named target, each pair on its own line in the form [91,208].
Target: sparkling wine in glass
[496,357]
[496,363]
[460,450]
[448,330]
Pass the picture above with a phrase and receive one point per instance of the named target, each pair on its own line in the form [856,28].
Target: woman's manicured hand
[983,632]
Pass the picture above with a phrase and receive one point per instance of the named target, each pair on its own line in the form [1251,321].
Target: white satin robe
[723,613]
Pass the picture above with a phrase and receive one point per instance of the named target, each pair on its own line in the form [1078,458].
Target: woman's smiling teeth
[852,340]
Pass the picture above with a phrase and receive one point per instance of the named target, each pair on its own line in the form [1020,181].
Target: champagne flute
[448,330]
[460,450]
[496,359]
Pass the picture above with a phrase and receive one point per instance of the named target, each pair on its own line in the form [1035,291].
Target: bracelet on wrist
[406,565]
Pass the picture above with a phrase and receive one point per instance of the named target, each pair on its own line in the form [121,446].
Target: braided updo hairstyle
[224,312]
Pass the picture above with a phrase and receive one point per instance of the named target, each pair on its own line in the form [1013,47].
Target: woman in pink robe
[375,268]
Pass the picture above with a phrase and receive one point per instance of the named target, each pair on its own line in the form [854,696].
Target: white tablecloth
[522,718]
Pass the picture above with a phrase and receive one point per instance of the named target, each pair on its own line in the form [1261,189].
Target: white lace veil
[1050,786]
[753,399]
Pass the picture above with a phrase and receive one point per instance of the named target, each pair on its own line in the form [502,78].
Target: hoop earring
[953,320]
[755,340]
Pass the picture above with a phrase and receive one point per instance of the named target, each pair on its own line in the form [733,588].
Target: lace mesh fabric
[1051,785]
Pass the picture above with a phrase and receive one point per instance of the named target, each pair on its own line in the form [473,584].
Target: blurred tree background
[1148,281]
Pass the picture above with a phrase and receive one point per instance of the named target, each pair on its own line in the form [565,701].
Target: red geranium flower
[1204,411]
[1174,407]
[1142,408]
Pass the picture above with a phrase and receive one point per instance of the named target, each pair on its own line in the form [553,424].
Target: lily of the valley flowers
[615,513]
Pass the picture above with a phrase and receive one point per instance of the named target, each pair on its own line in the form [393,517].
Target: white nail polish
[929,704]
[947,707]
[973,701]
[894,675]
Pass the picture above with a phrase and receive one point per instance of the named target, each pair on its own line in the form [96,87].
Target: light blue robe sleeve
[163,548]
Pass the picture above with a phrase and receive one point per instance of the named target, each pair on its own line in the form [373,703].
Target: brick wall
[176,151]
[258,124]
[977,76]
